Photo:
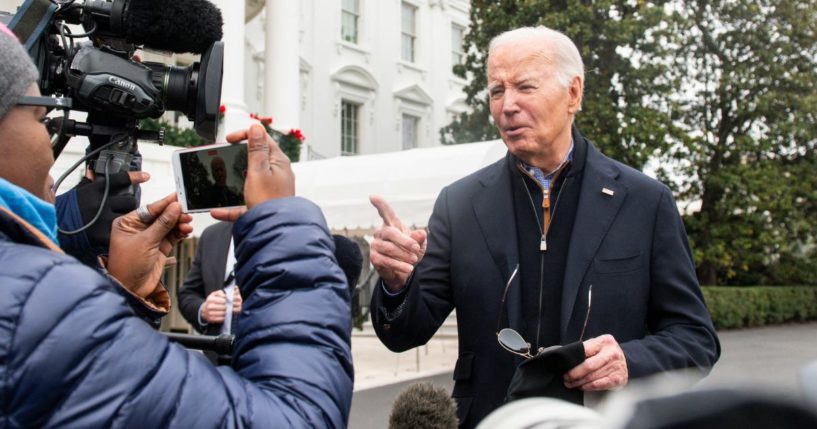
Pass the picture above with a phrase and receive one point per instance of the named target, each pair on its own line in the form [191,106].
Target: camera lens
[194,90]
[179,90]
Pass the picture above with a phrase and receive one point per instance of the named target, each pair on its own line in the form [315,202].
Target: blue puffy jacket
[73,354]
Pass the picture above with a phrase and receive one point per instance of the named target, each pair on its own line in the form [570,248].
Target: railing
[311,154]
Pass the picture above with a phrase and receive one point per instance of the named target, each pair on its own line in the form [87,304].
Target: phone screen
[214,176]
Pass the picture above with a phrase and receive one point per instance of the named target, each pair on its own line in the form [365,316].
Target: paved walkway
[376,366]
[768,356]
[759,358]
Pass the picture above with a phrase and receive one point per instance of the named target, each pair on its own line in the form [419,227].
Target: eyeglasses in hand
[513,342]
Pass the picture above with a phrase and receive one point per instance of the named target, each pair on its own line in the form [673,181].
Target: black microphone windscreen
[350,259]
[422,405]
[173,25]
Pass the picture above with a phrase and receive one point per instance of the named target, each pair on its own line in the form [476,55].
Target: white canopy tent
[409,180]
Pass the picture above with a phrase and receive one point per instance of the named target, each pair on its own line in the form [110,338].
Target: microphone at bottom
[422,405]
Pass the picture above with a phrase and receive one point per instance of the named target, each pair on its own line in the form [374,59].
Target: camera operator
[73,351]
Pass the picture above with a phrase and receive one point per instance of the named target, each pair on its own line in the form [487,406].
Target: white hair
[557,48]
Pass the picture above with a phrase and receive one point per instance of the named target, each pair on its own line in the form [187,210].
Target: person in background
[349,258]
[203,298]
[75,353]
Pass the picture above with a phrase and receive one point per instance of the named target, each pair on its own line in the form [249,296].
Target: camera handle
[115,159]
[110,158]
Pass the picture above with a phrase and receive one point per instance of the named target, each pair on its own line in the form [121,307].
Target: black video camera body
[100,76]
[95,72]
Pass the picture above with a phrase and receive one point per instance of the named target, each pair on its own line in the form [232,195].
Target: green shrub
[174,136]
[742,307]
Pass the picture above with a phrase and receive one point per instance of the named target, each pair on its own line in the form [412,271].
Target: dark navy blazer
[628,242]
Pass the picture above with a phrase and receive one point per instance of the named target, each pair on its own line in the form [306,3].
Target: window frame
[354,136]
[415,122]
[355,19]
[412,36]
[457,50]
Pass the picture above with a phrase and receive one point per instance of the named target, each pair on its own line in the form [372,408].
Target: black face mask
[543,375]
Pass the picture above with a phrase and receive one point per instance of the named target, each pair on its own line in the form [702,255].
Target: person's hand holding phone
[269,173]
[139,251]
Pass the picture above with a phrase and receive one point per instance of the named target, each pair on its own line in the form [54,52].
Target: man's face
[25,147]
[531,108]
[219,171]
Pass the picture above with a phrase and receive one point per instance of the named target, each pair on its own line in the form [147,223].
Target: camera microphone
[176,26]
[422,405]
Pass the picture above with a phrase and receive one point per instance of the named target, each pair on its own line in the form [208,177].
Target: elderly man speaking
[555,243]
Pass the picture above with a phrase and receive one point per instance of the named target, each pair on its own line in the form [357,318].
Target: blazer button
[387,327]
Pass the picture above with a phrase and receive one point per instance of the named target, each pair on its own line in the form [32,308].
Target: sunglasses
[54,125]
[49,103]
[513,342]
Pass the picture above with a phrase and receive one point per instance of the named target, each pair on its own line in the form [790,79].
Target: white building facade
[356,76]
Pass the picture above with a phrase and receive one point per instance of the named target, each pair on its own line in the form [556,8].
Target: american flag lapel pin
[607,191]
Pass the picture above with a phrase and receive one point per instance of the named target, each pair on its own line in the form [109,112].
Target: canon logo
[121,83]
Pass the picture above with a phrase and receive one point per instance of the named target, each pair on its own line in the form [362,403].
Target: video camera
[96,72]
[100,76]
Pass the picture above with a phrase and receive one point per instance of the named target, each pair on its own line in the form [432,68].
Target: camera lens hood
[208,92]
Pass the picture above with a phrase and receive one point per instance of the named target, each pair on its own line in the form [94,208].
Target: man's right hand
[395,249]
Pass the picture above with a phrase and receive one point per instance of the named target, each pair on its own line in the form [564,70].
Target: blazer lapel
[493,209]
[600,199]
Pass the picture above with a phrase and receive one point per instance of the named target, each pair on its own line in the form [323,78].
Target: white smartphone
[210,176]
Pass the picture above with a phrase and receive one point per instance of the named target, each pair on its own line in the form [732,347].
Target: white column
[282,87]
[232,86]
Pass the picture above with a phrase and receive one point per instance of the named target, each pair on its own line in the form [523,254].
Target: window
[349,127]
[350,15]
[410,126]
[408,30]
[457,54]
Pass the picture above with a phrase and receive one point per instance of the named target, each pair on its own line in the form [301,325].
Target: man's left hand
[605,367]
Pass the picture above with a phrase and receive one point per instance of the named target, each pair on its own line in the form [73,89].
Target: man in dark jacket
[203,299]
[593,253]
[72,351]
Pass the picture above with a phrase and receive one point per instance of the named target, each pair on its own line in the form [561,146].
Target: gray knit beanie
[17,72]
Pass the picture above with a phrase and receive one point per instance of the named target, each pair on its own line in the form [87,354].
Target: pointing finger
[386,212]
